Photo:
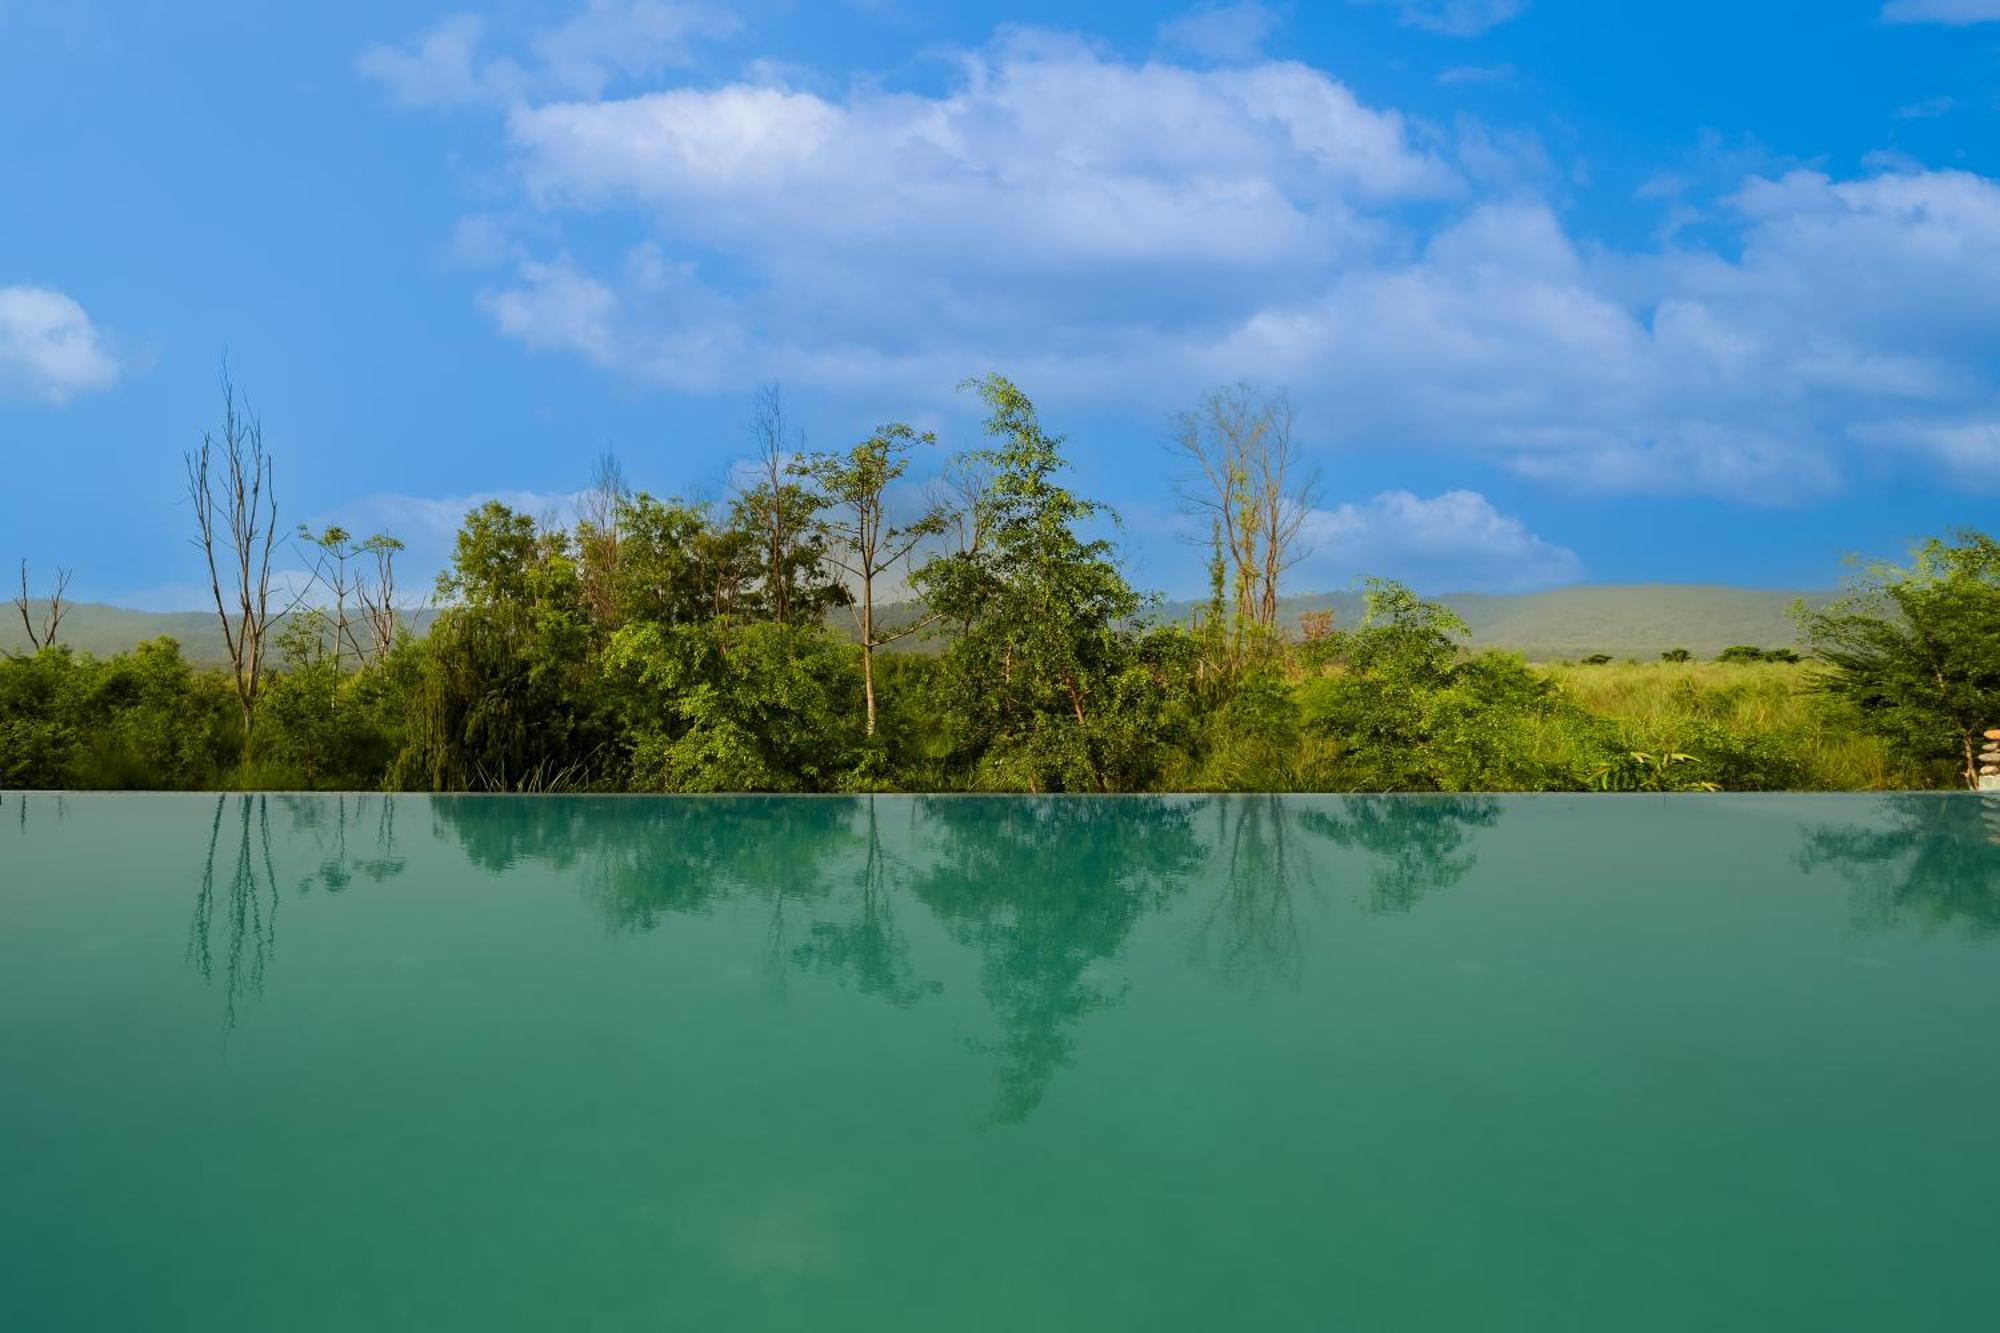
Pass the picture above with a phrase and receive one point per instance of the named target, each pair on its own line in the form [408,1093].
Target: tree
[715,707]
[508,694]
[1411,711]
[1251,483]
[861,542]
[675,565]
[780,517]
[1916,648]
[1677,655]
[52,612]
[1744,653]
[334,552]
[377,593]
[1045,614]
[229,483]
[598,538]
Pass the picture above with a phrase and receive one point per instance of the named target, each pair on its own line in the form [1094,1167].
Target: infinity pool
[1243,1063]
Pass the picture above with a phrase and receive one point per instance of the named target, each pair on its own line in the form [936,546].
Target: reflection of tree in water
[234,930]
[1418,841]
[649,859]
[328,821]
[51,800]
[45,801]
[868,946]
[497,833]
[1937,863]
[1251,932]
[244,912]
[1045,890]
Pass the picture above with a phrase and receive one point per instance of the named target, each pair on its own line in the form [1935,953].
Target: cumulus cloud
[1958,13]
[49,348]
[1454,18]
[1125,229]
[1454,542]
[1052,192]
[449,64]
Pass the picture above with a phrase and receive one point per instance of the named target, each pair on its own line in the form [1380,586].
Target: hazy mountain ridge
[1637,620]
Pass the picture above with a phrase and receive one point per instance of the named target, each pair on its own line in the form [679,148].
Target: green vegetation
[661,645]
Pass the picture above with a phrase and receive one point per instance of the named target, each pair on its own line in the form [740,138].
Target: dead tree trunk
[229,483]
[52,614]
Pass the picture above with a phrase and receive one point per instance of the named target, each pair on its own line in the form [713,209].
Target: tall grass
[1675,705]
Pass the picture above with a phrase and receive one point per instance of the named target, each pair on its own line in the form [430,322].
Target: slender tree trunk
[868,648]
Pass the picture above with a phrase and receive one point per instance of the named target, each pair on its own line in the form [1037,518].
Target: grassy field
[1679,705]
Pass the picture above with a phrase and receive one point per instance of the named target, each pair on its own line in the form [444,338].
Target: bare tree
[1283,489]
[861,541]
[780,510]
[52,613]
[1250,481]
[229,483]
[377,594]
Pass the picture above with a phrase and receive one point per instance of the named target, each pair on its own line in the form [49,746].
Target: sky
[1560,291]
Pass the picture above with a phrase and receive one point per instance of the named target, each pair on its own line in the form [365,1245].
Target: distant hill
[101,630]
[1639,620]
[1636,620]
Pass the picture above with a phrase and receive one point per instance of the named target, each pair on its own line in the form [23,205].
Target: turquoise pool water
[1623,1063]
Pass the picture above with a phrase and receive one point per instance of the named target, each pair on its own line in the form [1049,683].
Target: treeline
[665,646]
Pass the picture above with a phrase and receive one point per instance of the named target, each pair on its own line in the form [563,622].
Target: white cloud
[1453,18]
[611,39]
[1454,542]
[1955,12]
[1128,230]
[442,68]
[1046,145]
[1227,32]
[1968,451]
[660,324]
[49,348]
[446,65]
[1052,190]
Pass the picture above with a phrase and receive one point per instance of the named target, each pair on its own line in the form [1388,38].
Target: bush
[143,719]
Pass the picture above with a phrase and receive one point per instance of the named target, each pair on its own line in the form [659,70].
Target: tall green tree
[1045,610]
[861,542]
[716,707]
[1916,648]
[508,697]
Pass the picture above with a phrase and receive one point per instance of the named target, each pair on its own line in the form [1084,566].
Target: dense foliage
[665,646]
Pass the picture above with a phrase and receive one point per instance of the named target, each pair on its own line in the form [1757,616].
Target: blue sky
[1562,291]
